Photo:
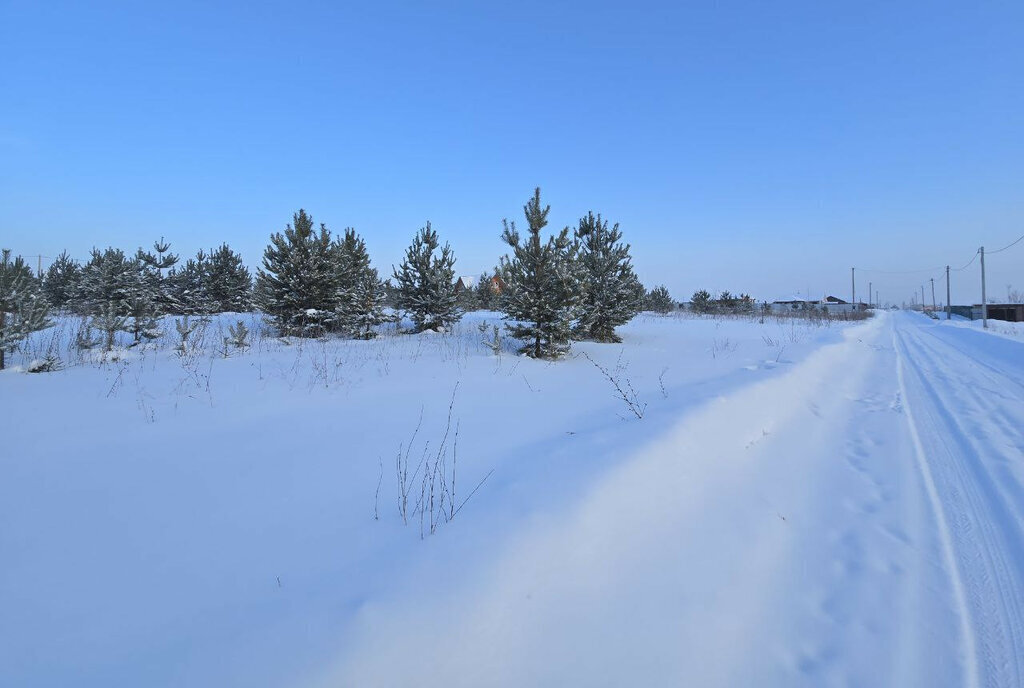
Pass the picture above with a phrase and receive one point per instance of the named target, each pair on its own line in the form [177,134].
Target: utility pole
[949,304]
[922,298]
[853,287]
[933,294]
[984,302]
[869,294]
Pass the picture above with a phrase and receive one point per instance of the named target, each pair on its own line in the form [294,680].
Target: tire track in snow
[980,527]
[972,361]
[970,651]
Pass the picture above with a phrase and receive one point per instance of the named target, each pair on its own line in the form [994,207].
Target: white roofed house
[834,304]
[788,304]
[465,282]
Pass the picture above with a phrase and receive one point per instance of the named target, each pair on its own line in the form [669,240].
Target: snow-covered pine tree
[426,283]
[611,294]
[297,285]
[142,303]
[360,296]
[238,336]
[390,295]
[725,303]
[541,291]
[228,282]
[109,321]
[106,279]
[150,292]
[369,310]
[23,308]
[465,296]
[700,302]
[185,328]
[745,303]
[350,258]
[189,284]
[60,284]
[659,300]
[486,294]
[158,288]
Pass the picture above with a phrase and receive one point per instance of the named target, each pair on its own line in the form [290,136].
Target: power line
[968,262]
[942,269]
[900,272]
[1019,239]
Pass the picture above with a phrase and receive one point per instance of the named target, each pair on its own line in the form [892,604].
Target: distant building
[793,303]
[469,282]
[1010,312]
[497,285]
[833,305]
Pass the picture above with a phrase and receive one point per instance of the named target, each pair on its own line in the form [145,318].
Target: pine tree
[109,321]
[659,300]
[390,295]
[466,296]
[142,305]
[148,291]
[361,294]
[487,296]
[725,303]
[190,288]
[541,289]
[228,282]
[611,293]
[369,312]
[350,259]
[426,283]
[701,301]
[23,308]
[297,286]
[238,336]
[153,284]
[107,279]
[745,303]
[185,328]
[60,285]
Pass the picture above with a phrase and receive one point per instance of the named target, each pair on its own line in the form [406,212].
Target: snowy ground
[799,505]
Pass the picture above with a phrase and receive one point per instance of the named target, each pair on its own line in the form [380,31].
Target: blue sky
[764,147]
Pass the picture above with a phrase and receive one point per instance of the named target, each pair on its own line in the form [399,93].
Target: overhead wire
[974,258]
[900,272]
[1010,245]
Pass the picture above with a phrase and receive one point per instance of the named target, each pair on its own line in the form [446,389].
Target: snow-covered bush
[23,308]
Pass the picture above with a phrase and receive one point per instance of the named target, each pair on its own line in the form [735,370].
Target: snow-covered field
[799,505]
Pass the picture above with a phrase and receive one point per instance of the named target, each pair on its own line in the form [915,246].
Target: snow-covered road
[965,408]
[856,521]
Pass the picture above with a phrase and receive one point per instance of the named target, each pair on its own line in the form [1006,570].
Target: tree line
[576,284]
[725,303]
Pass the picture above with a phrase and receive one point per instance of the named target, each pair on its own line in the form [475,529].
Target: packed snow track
[965,394]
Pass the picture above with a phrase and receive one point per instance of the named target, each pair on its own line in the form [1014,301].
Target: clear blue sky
[753,146]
